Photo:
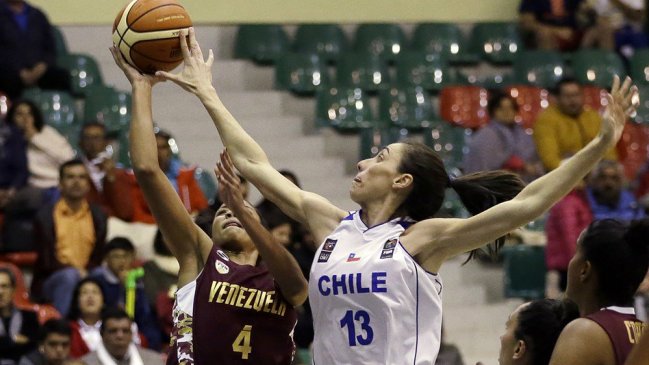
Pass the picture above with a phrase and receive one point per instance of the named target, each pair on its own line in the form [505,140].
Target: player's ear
[520,350]
[402,181]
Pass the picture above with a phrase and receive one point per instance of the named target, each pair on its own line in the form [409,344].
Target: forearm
[281,264]
[144,154]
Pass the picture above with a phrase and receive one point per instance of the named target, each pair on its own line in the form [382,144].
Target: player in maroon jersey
[231,307]
[610,263]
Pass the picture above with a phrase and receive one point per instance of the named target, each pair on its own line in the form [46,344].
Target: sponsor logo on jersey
[391,243]
[221,267]
[387,254]
[353,258]
[222,255]
[329,245]
[324,256]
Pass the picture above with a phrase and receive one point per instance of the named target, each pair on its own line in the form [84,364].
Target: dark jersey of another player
[232,314]
[622,327]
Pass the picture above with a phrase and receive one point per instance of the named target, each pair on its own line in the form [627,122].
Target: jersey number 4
[242,342]
[363,319]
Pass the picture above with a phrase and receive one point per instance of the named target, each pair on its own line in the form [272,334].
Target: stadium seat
[531,100]
[326,40]
[498,43]
[431,71]
[376,137]
[109,106]
[639,67]
[58,110]
[59,42]
[346,109]
[20,259]
[465,106]
[409,108]
[83,70]
[633,148]
[4,105]
[442,38]
[594,97]
[301,73]
[524,267]
[597,67]
[363,70]
[262,43]
[539,68]
[384,40]
[207,184]
[449,142]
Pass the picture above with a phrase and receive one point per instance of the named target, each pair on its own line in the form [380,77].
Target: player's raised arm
[439,239]
[189,244]
[280,262]
[247,155]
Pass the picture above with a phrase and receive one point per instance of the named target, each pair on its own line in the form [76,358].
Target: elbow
[298,297]
[144,169]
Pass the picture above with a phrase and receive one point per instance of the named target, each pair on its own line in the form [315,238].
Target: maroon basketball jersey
[622,327]
[239,316]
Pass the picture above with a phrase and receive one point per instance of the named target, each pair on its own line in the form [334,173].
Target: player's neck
[375,213]
[244,257]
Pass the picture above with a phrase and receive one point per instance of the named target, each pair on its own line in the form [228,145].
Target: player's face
[90,299]
[376,175]
[575,267]
[56,348]
[510,346]
[228,230]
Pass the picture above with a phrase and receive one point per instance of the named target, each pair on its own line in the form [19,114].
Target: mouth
[232,224]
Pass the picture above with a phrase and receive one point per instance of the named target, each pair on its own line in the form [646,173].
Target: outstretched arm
[280,262]
[438,239]
[186,241]
[248,157]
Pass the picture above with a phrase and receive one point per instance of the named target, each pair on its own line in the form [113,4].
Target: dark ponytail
[482,190]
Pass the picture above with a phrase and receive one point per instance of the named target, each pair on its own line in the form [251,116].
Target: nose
[228,214]
[360,164]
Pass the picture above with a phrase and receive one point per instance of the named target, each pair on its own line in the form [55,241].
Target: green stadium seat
[301,73]
[363,70]
[539,68]
[326,40]
[449,142]
[58,110]
[262,43]
[385,40]
[59,42]
[345,109]
[524,271]
[639,67]
[498,43]
[430,71]
[445,39]
[206,183]
[83,70]
[409,108]
[109,106]
[376,137]
[597,67]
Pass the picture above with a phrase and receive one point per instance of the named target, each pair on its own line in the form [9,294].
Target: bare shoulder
[583,341]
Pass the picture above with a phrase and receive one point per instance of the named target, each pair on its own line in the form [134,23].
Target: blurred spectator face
[24,118]
[55,348]
[75,182]
[164,153]
[570,99]
[509,344]
[117,336]
[607,184]
[119,261]
[282,233]
[93,141]
[6,291]
[506,111]
[91,301]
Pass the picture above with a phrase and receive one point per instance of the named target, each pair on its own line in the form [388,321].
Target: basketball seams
[150,10]
[151,58]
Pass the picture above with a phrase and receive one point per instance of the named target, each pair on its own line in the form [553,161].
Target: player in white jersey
[374,291]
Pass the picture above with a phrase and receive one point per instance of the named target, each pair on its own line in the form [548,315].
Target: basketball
[146,33]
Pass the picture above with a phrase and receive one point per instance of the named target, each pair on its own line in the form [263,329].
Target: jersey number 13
[365,333]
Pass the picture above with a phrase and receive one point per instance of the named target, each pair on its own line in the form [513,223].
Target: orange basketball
[146,32]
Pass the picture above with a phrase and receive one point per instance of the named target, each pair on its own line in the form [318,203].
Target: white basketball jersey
[372,303]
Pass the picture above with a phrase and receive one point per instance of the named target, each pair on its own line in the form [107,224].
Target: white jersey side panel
[372,303]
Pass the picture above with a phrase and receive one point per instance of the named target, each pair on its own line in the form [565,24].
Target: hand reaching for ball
[133,75]
[196,75]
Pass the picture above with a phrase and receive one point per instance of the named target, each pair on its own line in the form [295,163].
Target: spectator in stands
[181,177]
[85,317]
[118,264]
[54,345]
[533,329]
[563,129]
[503,144]
[610,263]
[160,278]
[27,50]
[117,346]
[13,162]
[18,328]
[620,23]
[70,236]
[607,196]
[110,184]
[556,24]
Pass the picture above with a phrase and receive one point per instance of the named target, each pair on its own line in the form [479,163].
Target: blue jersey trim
[415,261]
[416,313]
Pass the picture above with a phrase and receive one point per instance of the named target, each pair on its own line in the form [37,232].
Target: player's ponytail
[482,190]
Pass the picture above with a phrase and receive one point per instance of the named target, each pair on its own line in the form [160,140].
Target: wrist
[206,93]
[141,84]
